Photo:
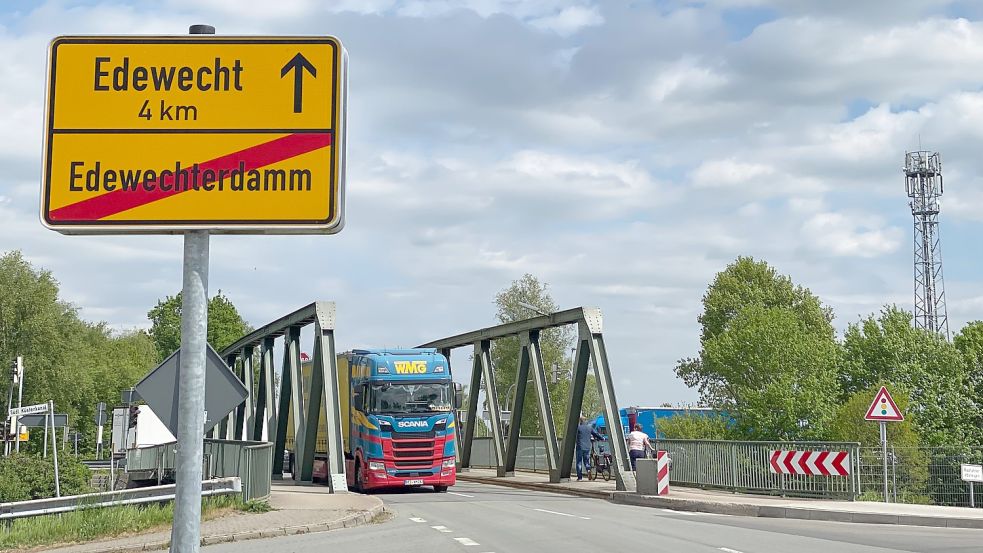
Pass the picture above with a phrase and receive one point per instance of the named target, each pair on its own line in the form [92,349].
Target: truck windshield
[409,398]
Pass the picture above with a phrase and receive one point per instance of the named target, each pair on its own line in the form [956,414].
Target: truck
[648,417]
[137,426]
[398,424]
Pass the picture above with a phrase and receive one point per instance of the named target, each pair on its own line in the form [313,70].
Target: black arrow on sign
[298,63]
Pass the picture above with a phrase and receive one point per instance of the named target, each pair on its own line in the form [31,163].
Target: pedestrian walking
[585,432]
[638,444]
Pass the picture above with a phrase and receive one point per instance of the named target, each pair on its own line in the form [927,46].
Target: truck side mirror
[458,395]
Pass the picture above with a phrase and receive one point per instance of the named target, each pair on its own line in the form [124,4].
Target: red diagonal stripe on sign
[254,157]
[787,462]
[838,463]
[821,463]
[774,462]
[802,462]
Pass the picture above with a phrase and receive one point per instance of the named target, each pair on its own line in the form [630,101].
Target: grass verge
[91,524]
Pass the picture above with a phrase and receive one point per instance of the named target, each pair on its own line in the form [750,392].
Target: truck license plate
[413,483]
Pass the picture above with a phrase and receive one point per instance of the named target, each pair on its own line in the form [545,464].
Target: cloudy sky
[622,151]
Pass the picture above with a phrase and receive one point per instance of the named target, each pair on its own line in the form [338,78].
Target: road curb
[736,509]
[349,521]
[494,481]
[800,513]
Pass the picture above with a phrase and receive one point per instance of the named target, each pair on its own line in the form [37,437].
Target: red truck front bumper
[379,479]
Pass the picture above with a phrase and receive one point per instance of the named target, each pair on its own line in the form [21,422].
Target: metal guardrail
[154,494]
[250,461]
[736,466]
[257,461]
[744,467]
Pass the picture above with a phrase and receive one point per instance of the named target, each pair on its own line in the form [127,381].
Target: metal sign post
[884,457]
[54,444]
[19,372]
[185,535]
[100,421]
[186,529]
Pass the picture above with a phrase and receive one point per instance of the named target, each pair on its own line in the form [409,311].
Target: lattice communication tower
[923,182]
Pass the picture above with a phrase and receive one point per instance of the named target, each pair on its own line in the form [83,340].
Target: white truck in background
[137,426]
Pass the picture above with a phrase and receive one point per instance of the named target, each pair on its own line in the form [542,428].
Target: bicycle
[600,462]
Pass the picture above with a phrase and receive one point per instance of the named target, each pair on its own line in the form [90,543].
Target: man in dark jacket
[585,432]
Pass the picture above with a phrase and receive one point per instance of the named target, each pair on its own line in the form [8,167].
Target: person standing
[638,444]
[585,433]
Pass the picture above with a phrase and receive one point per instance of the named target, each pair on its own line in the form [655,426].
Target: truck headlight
[448,463]
[377,465]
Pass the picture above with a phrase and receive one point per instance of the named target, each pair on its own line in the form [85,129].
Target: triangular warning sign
[883,408]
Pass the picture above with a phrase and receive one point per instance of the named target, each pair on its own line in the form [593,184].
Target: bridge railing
[531,454]
[252,462]
[731,465]
[745,467]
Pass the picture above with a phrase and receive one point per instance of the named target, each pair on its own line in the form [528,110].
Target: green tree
[555,345]
[74,363]
[917,362]
[769,354]
[747,282]
[225,324]
[969,342]
[692,426]
[780,377]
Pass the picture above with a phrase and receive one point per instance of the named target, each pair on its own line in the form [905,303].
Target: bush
[24,477]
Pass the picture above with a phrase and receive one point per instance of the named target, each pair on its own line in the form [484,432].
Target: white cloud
[855,235]
[569,20]
[683,79]
[730,172]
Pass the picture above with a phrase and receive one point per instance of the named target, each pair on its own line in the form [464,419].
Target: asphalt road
[476,518]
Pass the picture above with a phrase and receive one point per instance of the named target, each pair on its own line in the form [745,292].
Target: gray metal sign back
[39,421]
[223,390]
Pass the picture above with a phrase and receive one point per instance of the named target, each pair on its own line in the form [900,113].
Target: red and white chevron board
[815,463]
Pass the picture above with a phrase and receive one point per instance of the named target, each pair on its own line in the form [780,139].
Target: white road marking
[416,519]
[728,550]
[466,541]
[443,529]
[562,514]
[691,513]
[460,494]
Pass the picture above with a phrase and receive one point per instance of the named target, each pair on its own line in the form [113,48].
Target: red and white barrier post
[662,470]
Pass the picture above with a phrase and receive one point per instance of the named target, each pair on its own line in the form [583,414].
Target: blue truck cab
[400,411]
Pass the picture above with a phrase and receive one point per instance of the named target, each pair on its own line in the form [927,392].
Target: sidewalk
[299,510]
[727,503]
